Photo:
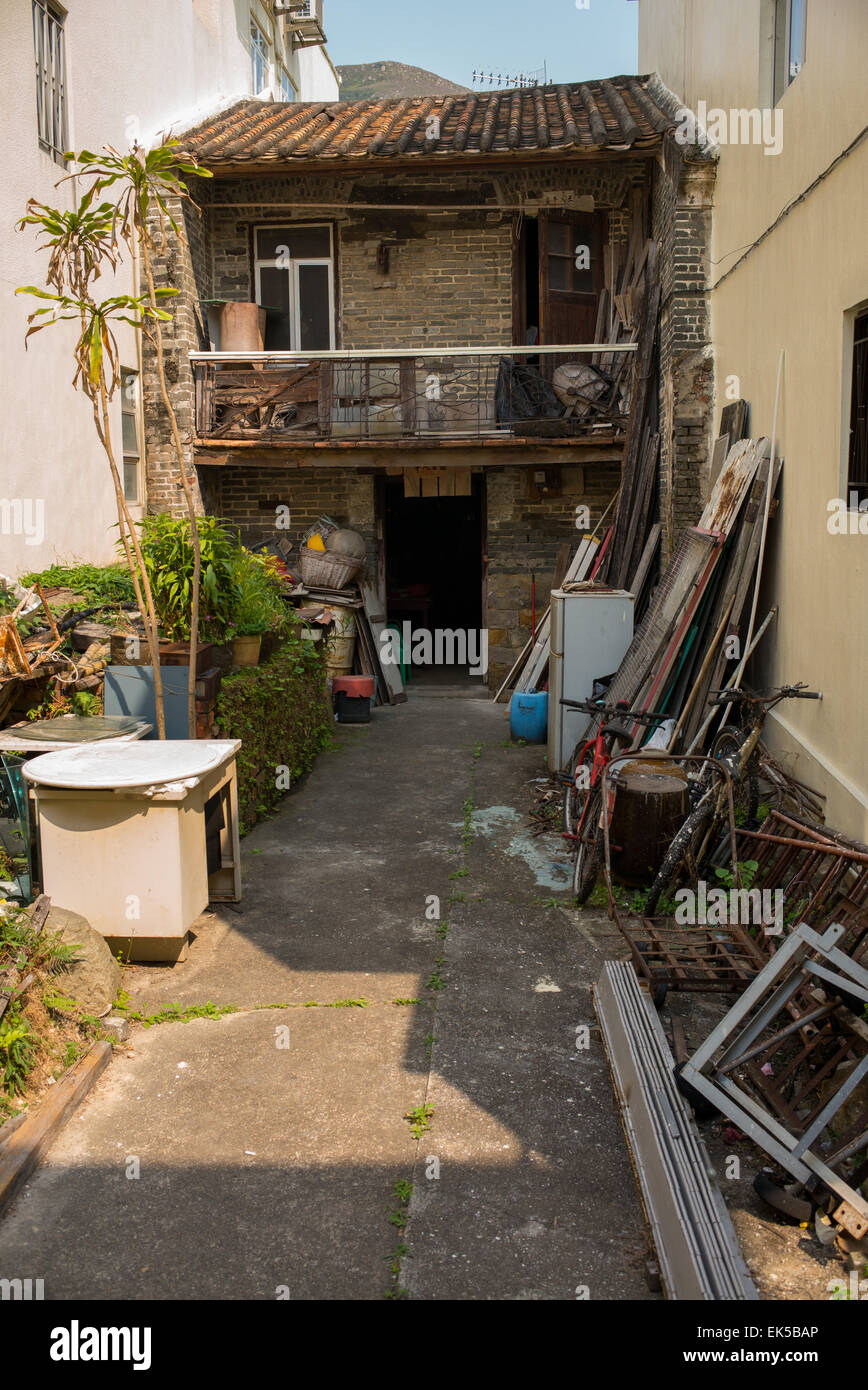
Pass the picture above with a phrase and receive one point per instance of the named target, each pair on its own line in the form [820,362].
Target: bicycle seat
[618,731]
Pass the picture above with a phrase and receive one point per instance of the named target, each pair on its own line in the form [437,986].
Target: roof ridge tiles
[382,139]
[609,113]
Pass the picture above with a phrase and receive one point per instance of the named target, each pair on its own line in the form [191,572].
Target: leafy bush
[107,586]
[168,554]
[258,605]
[279,712]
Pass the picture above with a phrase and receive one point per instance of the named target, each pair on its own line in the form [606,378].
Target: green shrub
[258,605]
[168,553]
[279,712]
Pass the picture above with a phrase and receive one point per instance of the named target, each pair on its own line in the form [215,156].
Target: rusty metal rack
[695,959]
[788,1063]
[710,960]
[822,875]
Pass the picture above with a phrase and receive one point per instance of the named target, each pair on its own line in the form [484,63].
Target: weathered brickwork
[523,539]
[250,496]
[449,283]
[185,266]
[523,536]
[681,222]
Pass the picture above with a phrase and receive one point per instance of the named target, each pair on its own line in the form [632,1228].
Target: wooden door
[571,275]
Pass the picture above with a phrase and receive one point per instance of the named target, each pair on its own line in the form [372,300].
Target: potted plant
[170,565]
[257,606]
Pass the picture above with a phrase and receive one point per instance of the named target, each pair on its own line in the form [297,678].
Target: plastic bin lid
[128,765]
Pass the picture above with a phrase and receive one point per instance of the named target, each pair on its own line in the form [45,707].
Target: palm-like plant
[81,241]
[147,182]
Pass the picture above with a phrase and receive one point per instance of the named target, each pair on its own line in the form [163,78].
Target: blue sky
[452,37]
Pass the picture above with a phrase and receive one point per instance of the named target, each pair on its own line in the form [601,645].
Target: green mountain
[362,80]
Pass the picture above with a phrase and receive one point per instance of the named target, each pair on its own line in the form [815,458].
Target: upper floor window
[789,44]
[295,284]
[259,57]
[131,433]
[50,77]
[287,91]
[857,469]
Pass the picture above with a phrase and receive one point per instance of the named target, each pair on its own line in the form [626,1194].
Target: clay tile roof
[616,113]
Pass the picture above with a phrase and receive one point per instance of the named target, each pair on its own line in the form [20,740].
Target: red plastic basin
[356,686]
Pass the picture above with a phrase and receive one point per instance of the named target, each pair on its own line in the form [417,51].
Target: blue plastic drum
[529,716]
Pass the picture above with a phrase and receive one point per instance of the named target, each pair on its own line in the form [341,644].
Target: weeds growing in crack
[398,1216]
[419,1118]
[181,1013]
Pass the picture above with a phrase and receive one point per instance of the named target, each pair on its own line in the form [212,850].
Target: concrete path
[255,1155]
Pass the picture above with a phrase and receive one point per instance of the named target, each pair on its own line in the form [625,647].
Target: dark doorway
[530,328]
[434,559]
[558,276]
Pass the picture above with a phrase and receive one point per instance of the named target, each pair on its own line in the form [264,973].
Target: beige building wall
[796,293]
[133,71]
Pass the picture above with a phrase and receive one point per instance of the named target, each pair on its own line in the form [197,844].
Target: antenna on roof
[539,78]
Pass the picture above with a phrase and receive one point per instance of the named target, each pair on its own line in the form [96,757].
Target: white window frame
[292,271]
[135,410]
[787,37]
[260,49]
[49,56]
[288,89]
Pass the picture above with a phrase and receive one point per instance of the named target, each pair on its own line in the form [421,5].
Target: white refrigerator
[591,630]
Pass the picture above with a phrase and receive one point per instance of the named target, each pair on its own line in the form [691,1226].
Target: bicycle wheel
[745,793]
[682,852]
[586,865]
[574,800]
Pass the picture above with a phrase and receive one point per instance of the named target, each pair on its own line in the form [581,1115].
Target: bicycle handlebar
[620,710]
[783,692]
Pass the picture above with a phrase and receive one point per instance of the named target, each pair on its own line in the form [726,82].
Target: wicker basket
[322,569]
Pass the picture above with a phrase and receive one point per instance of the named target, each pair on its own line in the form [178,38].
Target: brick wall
[185,265]
[449,281]
[249,495]
[523,535]
[450,274]
[681,223]
[523,539]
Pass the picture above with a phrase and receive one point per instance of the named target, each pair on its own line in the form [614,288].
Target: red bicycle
[583,794]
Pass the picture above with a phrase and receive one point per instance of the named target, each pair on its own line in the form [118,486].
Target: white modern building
[79,76]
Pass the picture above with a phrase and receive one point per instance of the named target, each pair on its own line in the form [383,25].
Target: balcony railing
[284,398]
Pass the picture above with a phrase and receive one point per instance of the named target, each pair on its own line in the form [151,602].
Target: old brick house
[418,259]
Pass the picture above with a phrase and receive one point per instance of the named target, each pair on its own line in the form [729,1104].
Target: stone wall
[523,539]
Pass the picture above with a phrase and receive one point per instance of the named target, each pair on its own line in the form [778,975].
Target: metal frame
[732,1043]
[691,1228]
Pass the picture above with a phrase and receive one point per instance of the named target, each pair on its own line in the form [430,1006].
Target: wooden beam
[23,1150]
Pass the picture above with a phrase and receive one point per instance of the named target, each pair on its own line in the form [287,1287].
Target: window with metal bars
[857,471]
[48,49]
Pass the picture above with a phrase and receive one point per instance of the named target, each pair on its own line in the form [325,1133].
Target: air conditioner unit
[303,22]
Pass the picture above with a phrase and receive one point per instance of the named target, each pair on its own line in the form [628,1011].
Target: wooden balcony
[414,399]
